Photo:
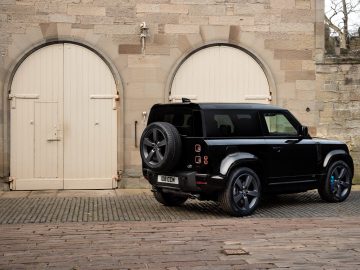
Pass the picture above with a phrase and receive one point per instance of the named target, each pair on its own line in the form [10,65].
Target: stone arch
[39,45]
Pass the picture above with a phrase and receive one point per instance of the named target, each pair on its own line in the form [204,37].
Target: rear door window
[232,123]
[186,120]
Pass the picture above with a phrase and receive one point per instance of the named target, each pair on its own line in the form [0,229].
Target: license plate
[168,179]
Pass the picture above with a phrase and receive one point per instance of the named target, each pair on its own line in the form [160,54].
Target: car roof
[223,106]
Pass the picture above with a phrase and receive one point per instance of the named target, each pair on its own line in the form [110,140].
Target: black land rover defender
[236,153]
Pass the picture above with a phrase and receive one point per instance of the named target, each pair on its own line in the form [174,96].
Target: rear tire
[336,186]
[242,193]
[169,199]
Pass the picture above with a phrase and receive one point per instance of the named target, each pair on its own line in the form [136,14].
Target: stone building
[78,77]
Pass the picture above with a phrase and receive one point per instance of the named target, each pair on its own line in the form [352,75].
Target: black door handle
[292,141]
[277,148]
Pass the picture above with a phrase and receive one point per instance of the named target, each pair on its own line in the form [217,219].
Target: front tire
[169,199]
[336,186]
[242,193]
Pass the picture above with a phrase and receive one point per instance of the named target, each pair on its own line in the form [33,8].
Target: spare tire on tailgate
[160,146]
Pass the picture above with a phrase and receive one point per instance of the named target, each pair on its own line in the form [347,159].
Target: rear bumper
[189,181]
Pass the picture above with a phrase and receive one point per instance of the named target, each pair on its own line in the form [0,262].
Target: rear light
[201,183]
[198,158]
[206,160]
[197,148]
[201,179]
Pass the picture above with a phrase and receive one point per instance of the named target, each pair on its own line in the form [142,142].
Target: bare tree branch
[333,26]
[337,18]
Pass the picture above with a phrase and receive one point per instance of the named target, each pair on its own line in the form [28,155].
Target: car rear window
[232,123]
[187,121]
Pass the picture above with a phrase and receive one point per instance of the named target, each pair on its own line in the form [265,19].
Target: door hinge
[174,98]
[119,175]
[115,98]
[24,96]
[13,97]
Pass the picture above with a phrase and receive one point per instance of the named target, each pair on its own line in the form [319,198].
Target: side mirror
[303,132]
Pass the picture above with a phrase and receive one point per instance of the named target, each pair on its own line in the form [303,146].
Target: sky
[354,18]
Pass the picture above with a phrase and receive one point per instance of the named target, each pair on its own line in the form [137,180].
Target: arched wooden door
[63,121]
[220,73]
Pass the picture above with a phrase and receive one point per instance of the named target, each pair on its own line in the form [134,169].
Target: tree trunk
[345,42]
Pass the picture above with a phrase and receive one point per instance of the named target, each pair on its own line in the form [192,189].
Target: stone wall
[355,43]
[285,35]
[338,88]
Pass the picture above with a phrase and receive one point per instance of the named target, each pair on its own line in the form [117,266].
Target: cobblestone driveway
[43,231]
[143,207]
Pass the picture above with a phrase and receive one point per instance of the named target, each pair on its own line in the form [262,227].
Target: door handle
[277,148]
[53,139]
[292,141]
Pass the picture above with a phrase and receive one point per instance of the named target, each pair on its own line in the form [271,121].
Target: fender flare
[333,153]
[234,158]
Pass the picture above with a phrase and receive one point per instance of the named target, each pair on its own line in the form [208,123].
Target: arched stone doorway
[63,126]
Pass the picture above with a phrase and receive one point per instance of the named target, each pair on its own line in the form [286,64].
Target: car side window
[279,125]
[224,124]
[187,121]
[232,123]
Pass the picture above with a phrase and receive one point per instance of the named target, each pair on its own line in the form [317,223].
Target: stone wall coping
[340,60]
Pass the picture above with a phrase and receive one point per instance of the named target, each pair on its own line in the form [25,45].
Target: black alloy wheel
[154,146]
[242,194]
[160,146]
[336,186]
[245,191]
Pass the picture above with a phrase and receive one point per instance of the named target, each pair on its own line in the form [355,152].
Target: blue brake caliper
[332,183]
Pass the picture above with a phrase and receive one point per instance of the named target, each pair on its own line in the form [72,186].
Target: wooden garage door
[220,74]
[63,121]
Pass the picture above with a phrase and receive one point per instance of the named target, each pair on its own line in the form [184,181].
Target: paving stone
[189,244]
[143,207]
[238,251]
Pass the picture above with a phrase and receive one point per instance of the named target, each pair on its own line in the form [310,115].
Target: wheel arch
[336,155]
[242,159]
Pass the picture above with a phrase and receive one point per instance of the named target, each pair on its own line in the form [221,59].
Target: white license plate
[168,179]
